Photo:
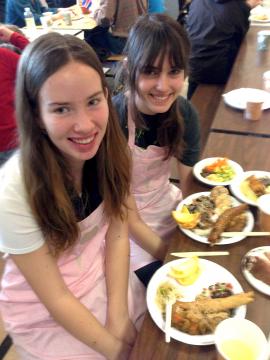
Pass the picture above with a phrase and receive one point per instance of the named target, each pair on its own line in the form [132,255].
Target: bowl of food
[217,171]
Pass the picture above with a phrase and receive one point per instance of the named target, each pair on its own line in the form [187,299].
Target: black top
[90,198]
[216,29]
[146,137]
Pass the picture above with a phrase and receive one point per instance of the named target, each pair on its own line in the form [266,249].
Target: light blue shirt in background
[156,6]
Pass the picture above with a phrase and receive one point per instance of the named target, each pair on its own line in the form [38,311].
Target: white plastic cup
[46,21]
[67,17]
[266,80]
[240,339]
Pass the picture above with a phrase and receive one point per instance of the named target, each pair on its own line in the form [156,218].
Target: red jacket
[8,66]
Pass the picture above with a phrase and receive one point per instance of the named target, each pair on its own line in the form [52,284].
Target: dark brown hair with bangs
[153,37]
[45,171]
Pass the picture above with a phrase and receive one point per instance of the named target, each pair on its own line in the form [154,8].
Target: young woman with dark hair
[159,124]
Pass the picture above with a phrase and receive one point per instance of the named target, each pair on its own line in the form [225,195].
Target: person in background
[15,11]
[62,3]
[216,29]
[11,44]
[159,125]
[156,6]
[63,215]
[114,19]
[2,10]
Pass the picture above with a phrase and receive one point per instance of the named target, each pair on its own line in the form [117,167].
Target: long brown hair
[45,171]
[153,37]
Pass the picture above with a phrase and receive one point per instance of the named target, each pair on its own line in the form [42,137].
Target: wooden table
[247,71]
[206,100]
[249,152]
[85,22]
[32,34]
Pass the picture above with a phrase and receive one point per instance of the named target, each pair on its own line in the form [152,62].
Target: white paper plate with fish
[211,273]
[241,187]
[238,98]
[201,235]
[258,282]
[217,171]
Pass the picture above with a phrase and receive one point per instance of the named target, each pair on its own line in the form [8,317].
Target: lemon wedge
[187,272]
[190,279]
[186,267]
[186,219]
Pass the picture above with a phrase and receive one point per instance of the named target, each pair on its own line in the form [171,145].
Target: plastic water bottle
[29,18]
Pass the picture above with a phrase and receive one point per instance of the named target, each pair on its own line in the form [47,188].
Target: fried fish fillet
[208,306]
[223,220]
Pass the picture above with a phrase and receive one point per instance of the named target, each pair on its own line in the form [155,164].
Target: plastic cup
[253,110]
[264,212]
[46,21]
[240,339]
[67,17]
[266,80]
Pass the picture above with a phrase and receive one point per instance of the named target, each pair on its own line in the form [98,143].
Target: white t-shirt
[19,232]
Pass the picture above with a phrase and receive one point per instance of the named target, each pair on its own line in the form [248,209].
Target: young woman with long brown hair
[63,217]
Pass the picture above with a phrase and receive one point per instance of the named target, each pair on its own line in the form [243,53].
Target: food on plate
[185,218]
[224,220]
[187,271]
[210,216]
[259,266]
[165,292]
[260,17]
[202,316]
[220,171]
[218,290]
[253,187]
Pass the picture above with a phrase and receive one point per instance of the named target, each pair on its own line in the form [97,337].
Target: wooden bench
[206,99]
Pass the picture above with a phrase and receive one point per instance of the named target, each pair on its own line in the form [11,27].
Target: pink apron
[155,196]
[36,335]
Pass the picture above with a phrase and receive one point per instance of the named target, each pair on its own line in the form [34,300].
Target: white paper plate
[197,169]
[254,18]
[211,274]
[238,98]
[203,239]
[258,11]
[235,185]
[256,283]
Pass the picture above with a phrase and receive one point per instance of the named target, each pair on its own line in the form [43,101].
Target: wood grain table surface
[247,72]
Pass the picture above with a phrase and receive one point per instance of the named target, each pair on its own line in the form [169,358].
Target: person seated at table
[11,44]
[15,11]
[114,19]
[216,29]
[66,290]
[159,125]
